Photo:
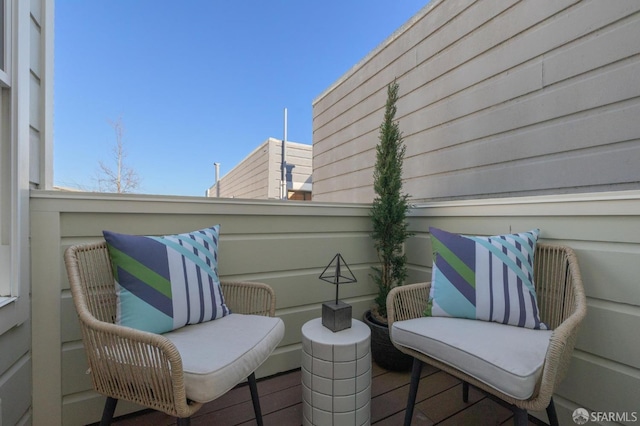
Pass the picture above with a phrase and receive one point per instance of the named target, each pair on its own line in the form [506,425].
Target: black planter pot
[382,350]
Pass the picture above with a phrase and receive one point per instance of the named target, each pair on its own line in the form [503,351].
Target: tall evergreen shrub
[390,205]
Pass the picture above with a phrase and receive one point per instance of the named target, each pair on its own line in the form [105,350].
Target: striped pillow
[484,278]
[164,283]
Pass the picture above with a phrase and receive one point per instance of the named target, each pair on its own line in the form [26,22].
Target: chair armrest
[137,366]
[407,302]
[251,298]
[560,350]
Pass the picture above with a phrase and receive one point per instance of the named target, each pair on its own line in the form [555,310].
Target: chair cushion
[164,283]
[509,359]
[217,355]
[485,278]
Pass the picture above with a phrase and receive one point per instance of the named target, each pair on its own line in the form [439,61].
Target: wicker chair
[151,369]
[562,304]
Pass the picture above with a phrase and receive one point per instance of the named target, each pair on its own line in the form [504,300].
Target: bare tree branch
[122,178]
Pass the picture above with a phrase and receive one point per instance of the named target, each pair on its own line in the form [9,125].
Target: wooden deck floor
[439,402]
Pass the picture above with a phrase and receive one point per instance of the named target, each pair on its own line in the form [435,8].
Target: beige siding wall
[259,175]
[41,94]
[603,229]
[299,159]
[286,245]
[275,168]
[249,179]
[516,97]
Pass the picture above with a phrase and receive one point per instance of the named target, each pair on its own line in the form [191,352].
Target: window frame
[14,185]
[6,37]
[9,288]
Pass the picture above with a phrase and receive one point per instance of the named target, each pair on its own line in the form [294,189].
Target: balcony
[514,97]
[287,244]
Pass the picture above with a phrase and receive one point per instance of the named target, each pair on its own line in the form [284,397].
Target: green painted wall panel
[607,250]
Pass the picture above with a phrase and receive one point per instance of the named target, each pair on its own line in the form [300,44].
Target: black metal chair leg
[416,370]
[254,398]
[465,392]
[184,421]
[551,414]
[520,417]
[107,412]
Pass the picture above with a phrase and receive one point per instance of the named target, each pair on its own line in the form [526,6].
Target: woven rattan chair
[151,369]
[562,306]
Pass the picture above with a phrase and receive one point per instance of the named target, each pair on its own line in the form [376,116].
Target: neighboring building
[259,175]
[514,98]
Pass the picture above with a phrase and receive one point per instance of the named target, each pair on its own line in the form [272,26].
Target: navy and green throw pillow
[164,283]
[484,278]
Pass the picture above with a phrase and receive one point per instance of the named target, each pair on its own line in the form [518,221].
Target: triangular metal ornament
[335,272]
[337,316]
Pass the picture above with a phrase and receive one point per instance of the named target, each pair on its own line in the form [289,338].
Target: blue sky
[198,81]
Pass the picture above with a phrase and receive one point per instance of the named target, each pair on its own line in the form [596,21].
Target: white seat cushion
[507,358]
[217,355]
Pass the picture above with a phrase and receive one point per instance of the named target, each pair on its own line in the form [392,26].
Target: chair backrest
[556,275]
[558,283]
[91,281]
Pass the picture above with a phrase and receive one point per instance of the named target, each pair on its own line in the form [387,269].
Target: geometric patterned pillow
[484,278]
[164,283]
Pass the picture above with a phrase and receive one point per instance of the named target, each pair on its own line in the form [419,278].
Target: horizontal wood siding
[299,160]
[286,245]
[258,176]
[605,372]
[36,141]
[249,179]
[516,97]
[15,374]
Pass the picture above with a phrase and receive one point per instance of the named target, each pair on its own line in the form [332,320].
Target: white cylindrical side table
[336,375]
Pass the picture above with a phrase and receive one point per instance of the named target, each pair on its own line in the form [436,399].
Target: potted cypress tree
[390,231]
